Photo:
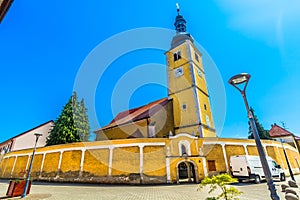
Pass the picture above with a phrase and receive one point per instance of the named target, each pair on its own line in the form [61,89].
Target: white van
[245,167]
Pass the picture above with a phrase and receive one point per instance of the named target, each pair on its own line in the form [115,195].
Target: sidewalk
[65,191]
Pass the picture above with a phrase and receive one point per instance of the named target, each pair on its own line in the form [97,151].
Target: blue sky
[44,43]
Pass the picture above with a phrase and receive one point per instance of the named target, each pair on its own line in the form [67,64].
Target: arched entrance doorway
[186,172]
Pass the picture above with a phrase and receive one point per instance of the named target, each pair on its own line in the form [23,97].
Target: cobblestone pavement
[63,191]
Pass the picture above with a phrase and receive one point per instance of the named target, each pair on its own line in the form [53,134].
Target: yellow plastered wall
[173,168]
[164,120]
[279,158]
[180,82]
[189,115]
[96,162]
[252,150]
[203,99]
[8,166]
[124,131]
[198,62]
[154,161]
[193,143]
[126,157]
[292,156]
[50,167]
[215,152]
[190,130]
[208,132]
[272,152]
[2,165]
[20,167]
[283,160]
[200,79]
[200,165]
[126,160]
[70,161]
[36,165]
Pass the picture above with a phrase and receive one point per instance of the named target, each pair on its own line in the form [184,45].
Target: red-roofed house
[279,133]
[152,120]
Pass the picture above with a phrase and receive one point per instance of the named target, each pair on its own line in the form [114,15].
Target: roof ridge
[127,116]
[28,131]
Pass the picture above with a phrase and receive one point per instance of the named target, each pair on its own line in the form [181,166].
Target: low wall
[138,161]
[134,161]
[223,148]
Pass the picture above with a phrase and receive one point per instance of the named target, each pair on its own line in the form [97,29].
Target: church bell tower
[187,84]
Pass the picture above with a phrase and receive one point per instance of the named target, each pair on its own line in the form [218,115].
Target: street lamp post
[37,135]
[243,79]
[287,161]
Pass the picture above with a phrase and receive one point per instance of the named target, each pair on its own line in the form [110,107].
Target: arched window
[177,55]
[183,150]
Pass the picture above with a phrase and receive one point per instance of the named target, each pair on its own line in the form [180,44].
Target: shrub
[220,181]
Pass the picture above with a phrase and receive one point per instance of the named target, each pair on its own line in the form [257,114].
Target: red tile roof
[277,131]
[136,114]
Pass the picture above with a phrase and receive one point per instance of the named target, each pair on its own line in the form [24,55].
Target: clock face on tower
[178,71]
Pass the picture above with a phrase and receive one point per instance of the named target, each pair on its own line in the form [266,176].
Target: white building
[26,139]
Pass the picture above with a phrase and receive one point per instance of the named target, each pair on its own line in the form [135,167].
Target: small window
[199,72]
[207,120]
[196,57]
[177,55]
[211,165]
[183,150]
[205,107]
[184,106]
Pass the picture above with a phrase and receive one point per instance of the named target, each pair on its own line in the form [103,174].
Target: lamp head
[239,79]
[38,134]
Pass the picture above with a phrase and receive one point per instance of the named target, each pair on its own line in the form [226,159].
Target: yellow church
[170,140]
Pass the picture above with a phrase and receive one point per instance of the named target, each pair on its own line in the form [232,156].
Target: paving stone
[68,191]
[291,196]
[291,190]
[292,183]
[284,186]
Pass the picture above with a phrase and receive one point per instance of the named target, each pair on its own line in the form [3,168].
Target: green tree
[72,125]
[220,181]
[263,134]
[84,126]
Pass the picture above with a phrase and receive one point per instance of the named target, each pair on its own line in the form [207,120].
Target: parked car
[245,167]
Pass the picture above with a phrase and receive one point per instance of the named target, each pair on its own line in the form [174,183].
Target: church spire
[180,23]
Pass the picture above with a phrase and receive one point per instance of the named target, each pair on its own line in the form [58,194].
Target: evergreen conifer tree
[72,125]
[263,134]
[85,126]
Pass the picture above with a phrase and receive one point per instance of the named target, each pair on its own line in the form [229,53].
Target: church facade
[170,140]
[186,109]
